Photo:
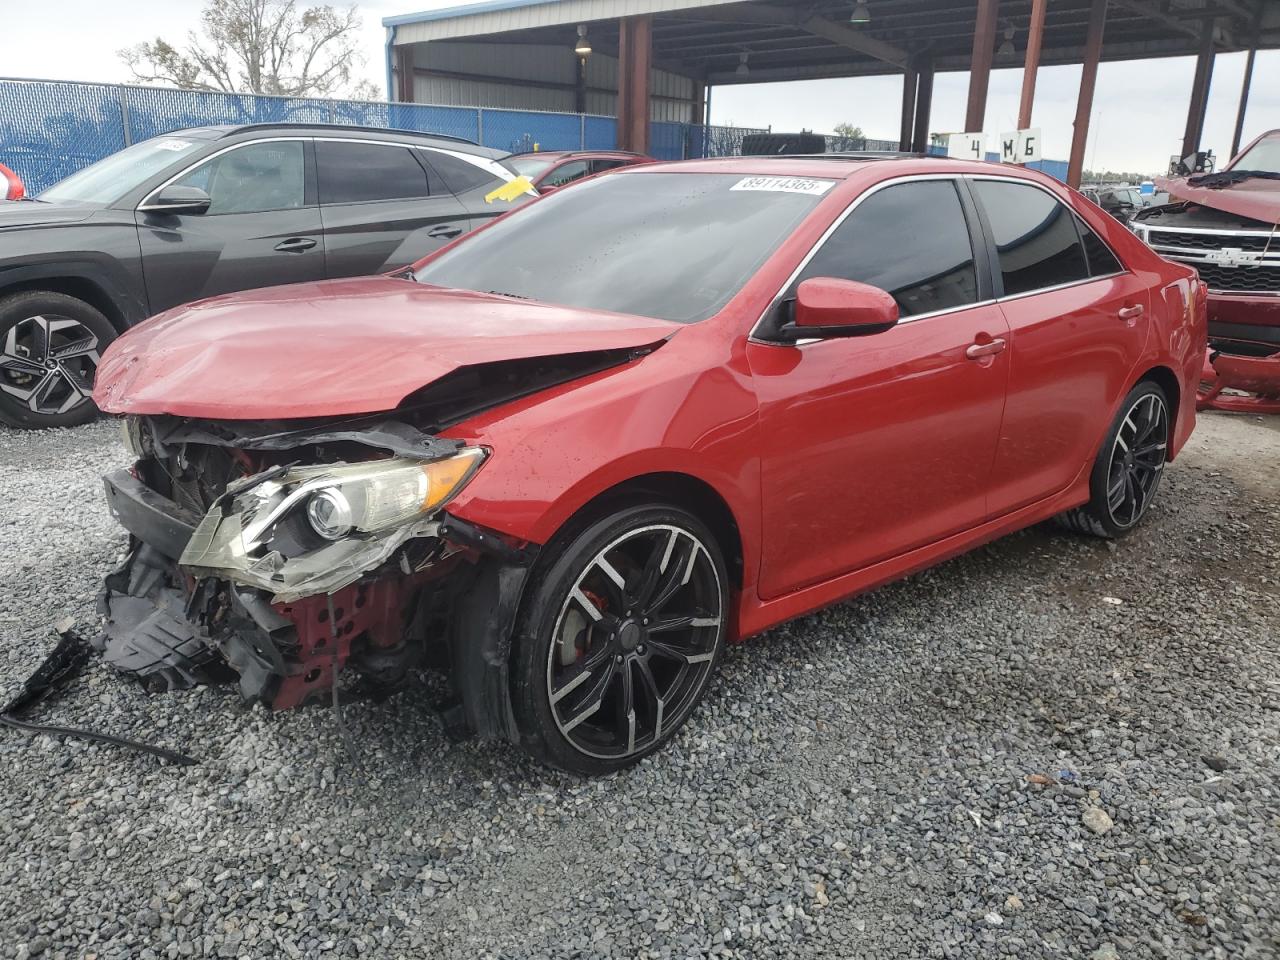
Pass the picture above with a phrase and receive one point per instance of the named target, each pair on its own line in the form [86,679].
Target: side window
[566,173]
[1102,261]
[910,240]
[253,179]
[1035,235]
[459,176]
[361,172]
[599,166]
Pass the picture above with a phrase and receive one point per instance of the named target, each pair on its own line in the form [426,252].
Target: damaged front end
[280,555]
[1226,226]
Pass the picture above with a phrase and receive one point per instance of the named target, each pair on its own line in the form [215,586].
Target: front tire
[1126,474]
[623,628]
[50,345]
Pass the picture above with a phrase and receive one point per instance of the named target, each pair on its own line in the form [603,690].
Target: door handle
[295,245]
[976,351]
[448,230]
[1132,313]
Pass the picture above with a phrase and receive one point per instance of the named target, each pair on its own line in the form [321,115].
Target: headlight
[314,529]
[1139,229]
[370,497]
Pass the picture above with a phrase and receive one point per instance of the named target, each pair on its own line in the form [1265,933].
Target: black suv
[214,210]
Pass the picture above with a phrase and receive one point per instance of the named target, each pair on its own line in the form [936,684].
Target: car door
[262,227]
[872,446]
[380,209]
[1077,322]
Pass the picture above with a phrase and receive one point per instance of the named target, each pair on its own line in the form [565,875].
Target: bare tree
[259,46]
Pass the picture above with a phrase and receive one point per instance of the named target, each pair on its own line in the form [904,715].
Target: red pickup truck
[1227,226]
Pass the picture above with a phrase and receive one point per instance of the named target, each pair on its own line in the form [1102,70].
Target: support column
[1031,66]
[924,106]
[909,82]
[580,84]
[635,49]
[1199,92]
[404,73]
[1088,80]
[1244,96]
[984,50]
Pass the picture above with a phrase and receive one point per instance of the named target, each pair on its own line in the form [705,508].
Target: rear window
[1036,239]
[676,246]
[361,172]
[531,166]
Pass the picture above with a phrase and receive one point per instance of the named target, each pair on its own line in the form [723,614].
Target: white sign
[1020,146]
[785,185]
[967,146]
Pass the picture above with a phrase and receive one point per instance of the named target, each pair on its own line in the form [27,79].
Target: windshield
[532,166]
[675,246]
[112,177]
[1264,157]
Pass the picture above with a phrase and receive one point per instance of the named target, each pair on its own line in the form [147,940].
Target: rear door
[262,227]
[380,207]
[1078,322]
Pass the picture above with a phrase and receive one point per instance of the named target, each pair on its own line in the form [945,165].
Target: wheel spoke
[650,685]
[673,651]
[38,348]
[665,625]
[87,346]
[679,571]
[656,564]
[19,364]
[589,702]
[627,703]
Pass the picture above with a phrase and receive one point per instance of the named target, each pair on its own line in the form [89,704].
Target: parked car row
[213,210]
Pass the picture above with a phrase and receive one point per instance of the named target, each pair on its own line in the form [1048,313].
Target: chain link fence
[49,129]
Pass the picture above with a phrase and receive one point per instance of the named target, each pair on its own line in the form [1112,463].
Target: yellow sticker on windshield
[511,190]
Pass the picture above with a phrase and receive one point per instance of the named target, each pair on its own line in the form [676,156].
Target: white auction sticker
[785,185]
[172,144]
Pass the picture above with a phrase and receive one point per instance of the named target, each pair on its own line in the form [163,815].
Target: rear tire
[622,630]
[50,345]
[1127,471]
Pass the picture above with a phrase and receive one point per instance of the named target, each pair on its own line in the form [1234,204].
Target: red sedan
[570,456]
[552,169]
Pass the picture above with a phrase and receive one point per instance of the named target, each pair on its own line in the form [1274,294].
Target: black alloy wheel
[50,347]
[1127,472]
[627,629]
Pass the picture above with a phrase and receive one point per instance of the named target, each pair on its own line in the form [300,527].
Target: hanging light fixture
[861,13]
[583,47]
[1006,48]
[743,69]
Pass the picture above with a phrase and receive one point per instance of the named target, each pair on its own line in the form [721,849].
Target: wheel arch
[1164,378]
[678,489]
[79,287]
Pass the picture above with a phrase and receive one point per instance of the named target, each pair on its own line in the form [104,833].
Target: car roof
[837,166]
[224,131]
[562,154]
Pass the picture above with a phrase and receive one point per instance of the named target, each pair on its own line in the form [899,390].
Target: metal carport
[656,59]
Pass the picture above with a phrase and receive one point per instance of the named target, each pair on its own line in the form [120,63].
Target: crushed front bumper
[173,630]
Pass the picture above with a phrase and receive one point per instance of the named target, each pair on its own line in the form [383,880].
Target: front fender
[555,452]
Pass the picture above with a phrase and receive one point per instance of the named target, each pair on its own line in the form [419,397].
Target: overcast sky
[1139,108]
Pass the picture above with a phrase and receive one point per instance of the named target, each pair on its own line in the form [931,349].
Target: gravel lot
[1048,748]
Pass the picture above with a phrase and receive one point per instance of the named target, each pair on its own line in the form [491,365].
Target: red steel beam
[635,53]
[1088,80]
[984,50]
[1199,91]
[404,73]
[1035,36]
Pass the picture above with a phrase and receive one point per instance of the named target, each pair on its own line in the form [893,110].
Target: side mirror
[826,307]
[176,199]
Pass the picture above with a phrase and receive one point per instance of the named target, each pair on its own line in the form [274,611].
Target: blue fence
[50,129]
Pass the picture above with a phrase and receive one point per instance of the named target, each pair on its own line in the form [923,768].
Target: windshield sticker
[785,185]
[173,144]
[511,190]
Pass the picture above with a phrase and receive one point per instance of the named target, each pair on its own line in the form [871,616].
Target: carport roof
[791,40]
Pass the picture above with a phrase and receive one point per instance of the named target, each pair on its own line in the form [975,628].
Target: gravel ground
[1049,748]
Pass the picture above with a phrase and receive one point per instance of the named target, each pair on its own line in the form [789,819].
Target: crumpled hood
[337,347]
[1255,199]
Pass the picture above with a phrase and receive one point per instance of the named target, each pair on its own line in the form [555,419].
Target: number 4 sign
[969,146]
[1020,146]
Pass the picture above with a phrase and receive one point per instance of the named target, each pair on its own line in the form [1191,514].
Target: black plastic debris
[64,663]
